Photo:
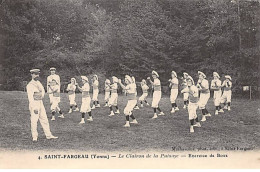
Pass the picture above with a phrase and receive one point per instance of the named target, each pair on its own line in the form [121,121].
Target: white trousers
[143,97]
[185,96]
[226,96]
[204,97]
[51,97]
[156,99]
[85,106]
[113,99]
[192,107]
[217,97]
[72,99]
[41,115]
[55,104]
[130,107]
[95,95]
[107,94]
[174,95]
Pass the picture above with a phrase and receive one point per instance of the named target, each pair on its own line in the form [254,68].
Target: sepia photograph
[130,84]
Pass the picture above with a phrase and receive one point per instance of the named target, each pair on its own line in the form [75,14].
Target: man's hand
[148,78]
[119,81]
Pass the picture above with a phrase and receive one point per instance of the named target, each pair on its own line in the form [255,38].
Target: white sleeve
[219,83]
[43,91]
[127,87]
[30,92]
[85,87]
[205,84]
[195,91]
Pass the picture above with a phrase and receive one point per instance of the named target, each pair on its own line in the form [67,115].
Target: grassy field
[238,128]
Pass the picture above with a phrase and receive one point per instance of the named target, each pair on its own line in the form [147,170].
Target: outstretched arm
[80,89]
[149,79]
[185,90]
[122,85]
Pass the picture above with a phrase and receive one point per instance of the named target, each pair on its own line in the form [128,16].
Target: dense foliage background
[117,37]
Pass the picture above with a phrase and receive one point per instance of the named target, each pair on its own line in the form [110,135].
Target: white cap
[133,79]
[35,71]
[228,77]
[190,78]
[84,78]
[95,76]
[127,77]
[52,68]
[74,79]
[216,74]
[114,78]
[174,73]
[155,73]
[107,81]
[201,73]
[185,74]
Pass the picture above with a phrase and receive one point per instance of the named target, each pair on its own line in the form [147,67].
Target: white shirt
[95,85]
[71,87]
[174,83]
[34,87]
[49,80]
[86,87]
[114,87]
[145,87]
[157,84]
[130,88]
[215,83]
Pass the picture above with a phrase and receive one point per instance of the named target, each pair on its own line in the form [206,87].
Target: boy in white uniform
[95,92]
[35,92]
[193,92]
[114,96]
[185,95]
[216,87]
[174,82]
[86,100]
[226,96]
[107,91]
[132,100]
[203,86]
[71,92]
[145,89]
[157,94]
[55,91]
[49,80]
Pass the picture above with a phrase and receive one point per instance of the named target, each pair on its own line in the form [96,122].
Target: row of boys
[192,98]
